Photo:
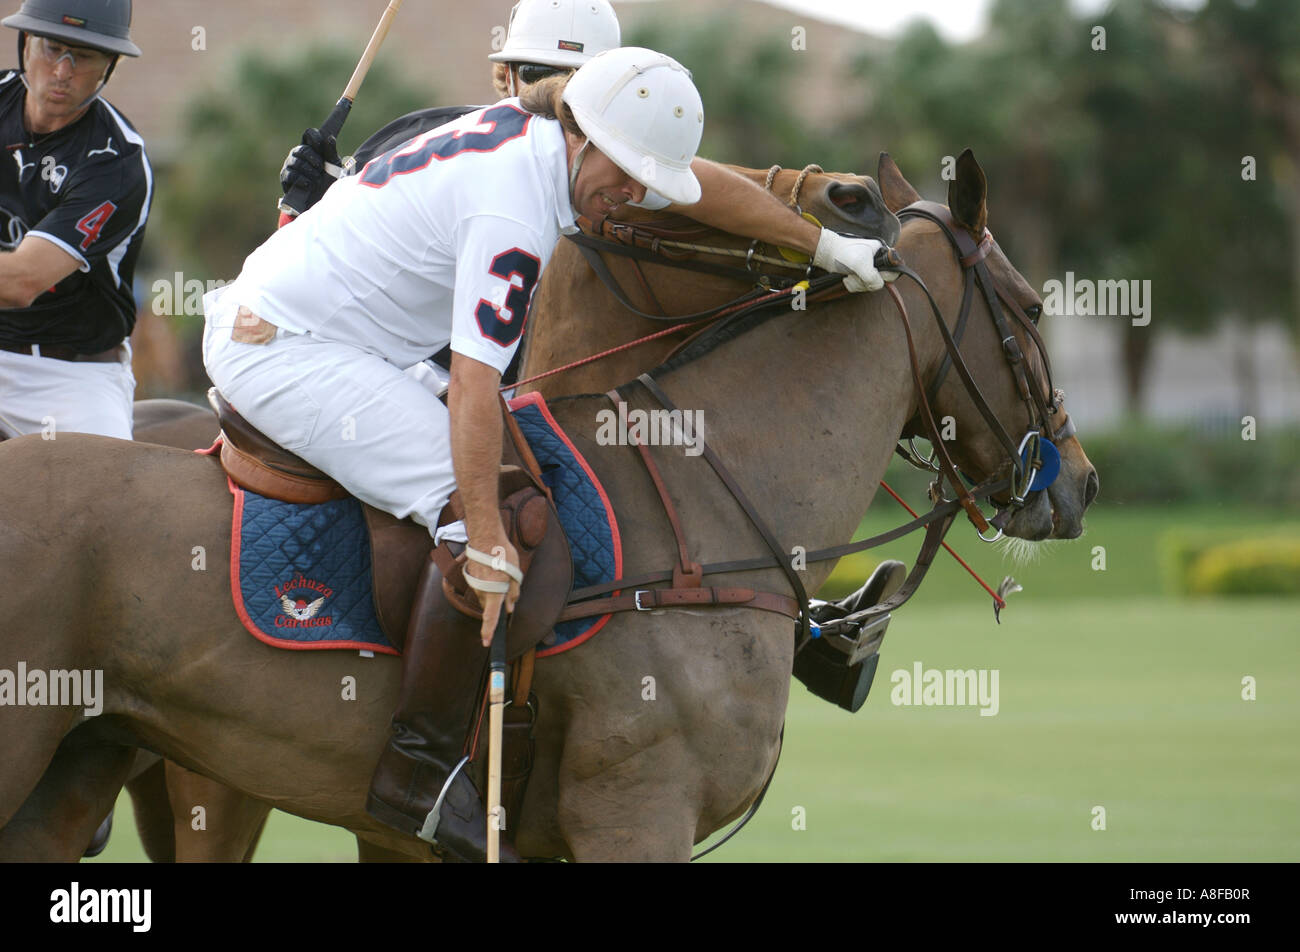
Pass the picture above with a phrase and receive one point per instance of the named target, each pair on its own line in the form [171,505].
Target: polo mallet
[496,714]
[291,206]
[496,688]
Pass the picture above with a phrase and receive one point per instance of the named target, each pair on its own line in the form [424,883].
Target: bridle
[1033,460]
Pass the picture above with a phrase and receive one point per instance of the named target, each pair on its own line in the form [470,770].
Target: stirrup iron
[435,815]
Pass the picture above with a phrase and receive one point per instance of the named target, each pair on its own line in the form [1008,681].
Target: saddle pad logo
[302,600]
[301,576]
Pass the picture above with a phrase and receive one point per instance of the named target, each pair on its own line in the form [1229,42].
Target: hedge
[1268,566]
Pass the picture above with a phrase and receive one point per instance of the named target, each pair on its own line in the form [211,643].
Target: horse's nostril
[849,196]
[1090,488]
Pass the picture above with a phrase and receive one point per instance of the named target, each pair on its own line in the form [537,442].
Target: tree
[218,198]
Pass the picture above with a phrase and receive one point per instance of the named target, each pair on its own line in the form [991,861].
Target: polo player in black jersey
[75,190]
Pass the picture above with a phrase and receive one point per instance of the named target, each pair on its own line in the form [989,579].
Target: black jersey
[86,187]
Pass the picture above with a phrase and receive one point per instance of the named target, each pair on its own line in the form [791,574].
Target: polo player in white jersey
[443,240]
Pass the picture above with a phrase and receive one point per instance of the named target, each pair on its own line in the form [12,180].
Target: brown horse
[617,777]
[162,794]
[569,291]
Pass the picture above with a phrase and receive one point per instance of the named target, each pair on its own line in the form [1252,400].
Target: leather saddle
[400,547]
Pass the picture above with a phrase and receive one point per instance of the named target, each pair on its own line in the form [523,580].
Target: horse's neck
[804,411]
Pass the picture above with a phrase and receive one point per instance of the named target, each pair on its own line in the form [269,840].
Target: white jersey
[440,240]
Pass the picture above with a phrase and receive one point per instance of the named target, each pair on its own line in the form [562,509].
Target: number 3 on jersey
[504,123]
[508,265]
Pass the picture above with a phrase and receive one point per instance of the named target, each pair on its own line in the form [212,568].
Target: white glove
[852,257]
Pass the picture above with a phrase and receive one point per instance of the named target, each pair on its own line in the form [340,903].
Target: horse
[159,791]
[617,777]
[849,203]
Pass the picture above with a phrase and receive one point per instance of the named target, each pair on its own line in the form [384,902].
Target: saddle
[400,547]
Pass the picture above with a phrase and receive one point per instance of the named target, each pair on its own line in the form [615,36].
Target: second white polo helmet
[565,33]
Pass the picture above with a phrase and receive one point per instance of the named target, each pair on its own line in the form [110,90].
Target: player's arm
[498,263]
[31,269]
[732,203]
[476,458]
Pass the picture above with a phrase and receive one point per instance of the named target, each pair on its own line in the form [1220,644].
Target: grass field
[1111,694]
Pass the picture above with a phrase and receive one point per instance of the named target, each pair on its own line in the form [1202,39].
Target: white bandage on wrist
[486,585]
[497,563]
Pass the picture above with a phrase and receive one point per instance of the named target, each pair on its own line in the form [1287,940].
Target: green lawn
[1111,694]
[1130,704]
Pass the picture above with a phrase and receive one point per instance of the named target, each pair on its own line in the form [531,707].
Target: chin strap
[93,96]
[22,72]
[573,172]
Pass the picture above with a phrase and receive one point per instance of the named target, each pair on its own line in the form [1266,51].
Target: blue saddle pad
[585,513]
[300,574]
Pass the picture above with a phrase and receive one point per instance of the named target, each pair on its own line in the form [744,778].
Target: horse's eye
[1034,312]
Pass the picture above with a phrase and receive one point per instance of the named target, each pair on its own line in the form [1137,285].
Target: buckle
[637,600]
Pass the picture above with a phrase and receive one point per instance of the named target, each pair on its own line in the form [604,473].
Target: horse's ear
[897,191]
[967,194]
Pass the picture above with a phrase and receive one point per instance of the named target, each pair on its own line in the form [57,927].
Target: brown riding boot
[421,786]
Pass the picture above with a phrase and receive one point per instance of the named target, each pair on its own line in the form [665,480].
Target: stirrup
[435,815]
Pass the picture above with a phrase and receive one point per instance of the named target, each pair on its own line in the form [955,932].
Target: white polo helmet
[563,33]
[642,110]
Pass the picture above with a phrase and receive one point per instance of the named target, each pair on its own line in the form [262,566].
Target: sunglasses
[81,59]
[530,73]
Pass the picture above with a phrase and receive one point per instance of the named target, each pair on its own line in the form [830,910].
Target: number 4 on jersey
[507,265]
[92,223]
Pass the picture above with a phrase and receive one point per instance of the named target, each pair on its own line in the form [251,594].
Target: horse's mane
[715,335]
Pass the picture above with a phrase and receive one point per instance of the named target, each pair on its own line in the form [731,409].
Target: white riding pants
[46,395]
[381,433]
